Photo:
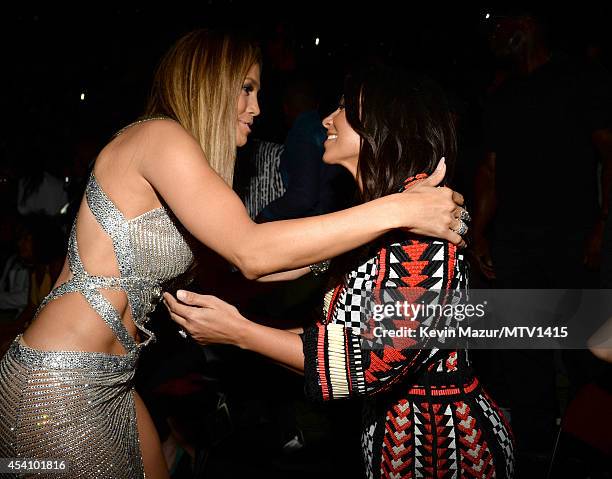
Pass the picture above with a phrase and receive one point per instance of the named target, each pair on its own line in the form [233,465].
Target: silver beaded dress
[79,406]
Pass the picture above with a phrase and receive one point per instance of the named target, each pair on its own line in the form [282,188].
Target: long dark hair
[405,125]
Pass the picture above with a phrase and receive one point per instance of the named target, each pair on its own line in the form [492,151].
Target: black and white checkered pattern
[368,430]
[500,431]
[355,300]
[461,272]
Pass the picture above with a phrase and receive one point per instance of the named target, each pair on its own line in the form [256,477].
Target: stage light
[487,16]
[82,96]
[317,41]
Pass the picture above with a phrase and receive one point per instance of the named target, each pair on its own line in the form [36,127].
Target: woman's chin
[327,160]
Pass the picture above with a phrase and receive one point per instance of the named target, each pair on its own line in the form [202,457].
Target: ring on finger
[461,229]
[464,215]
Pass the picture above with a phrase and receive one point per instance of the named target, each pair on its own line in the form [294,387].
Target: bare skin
[210,320]
[135,178]
[160,161]
[150,447]
[131,175]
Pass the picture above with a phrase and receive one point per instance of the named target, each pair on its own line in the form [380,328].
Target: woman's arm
[174,164]
[285,275]
[210,320]
[339,361]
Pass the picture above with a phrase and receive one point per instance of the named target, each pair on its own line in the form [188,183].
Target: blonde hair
[197,84]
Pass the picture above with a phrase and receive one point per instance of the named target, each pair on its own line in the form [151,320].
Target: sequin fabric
[79,406]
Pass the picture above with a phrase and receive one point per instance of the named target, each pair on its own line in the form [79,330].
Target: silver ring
[465,216]
[182,333]
[462,229]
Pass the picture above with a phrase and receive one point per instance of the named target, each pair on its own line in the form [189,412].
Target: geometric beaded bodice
[150,250]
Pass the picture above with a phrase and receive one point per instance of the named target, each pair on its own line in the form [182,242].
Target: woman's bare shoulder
[161,131]
[167,137]
[152,142]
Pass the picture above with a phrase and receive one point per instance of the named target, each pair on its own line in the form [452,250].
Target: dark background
[51,55]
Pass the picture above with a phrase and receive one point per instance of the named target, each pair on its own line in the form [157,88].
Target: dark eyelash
[248,88]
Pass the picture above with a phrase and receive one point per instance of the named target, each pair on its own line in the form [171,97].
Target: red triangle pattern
[415,250]
[433,418]
[397,435]
[414,270]
[476,458]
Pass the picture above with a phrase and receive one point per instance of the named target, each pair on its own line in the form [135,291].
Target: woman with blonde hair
[66,384]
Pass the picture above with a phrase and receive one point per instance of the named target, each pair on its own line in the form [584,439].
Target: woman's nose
[328,121]
[253,107]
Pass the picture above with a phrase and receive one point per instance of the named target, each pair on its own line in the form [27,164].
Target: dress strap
[111,317]
[88,286]
[142,119]
[74,259]
[69,286]
[113,223]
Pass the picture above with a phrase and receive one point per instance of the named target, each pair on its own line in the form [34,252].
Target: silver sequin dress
[79,406]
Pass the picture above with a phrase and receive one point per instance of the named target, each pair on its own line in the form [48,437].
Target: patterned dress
[425,412]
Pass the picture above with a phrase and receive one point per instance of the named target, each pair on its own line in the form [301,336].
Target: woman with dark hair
[426,414]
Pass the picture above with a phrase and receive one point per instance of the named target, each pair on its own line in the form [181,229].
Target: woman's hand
[433,211]
[207,319]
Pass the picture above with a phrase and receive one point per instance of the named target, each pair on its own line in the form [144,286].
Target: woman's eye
[341,106]
[247,88]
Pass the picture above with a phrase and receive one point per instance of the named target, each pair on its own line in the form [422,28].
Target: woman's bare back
[69,322]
